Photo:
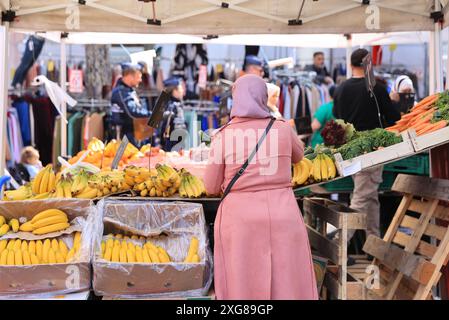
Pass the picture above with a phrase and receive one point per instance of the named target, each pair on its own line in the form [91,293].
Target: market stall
[162,182]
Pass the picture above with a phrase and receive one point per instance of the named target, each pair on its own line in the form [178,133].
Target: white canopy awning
[279,40]
[214,17]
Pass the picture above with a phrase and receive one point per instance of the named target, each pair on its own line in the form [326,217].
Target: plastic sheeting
[170,225]
[51,278]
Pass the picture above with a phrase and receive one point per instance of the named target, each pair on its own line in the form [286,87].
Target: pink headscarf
[250,98]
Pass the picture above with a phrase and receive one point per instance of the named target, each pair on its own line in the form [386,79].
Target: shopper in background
[173,124]
[253,65]
[125,102]
[322,75]
[354,104]
[30,160]
[273,97]
[403,94]
[322,115]
[261,248]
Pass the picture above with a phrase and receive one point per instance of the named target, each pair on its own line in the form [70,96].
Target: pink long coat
[261,245]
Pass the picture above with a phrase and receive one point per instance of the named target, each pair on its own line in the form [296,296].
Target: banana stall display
[163,181]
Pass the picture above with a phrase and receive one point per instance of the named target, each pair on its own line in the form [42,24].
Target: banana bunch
[192,255]
[47,221]
[63,188]
[108,182]
[301,172]
[323,168]
[23,193]
[21,252]
[125,251]
[137,175]
[44,181]
[191,186]
[166,183]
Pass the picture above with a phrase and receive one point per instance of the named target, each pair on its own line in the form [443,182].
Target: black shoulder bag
[251,156]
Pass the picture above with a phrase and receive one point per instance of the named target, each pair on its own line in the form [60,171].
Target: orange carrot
[433,127]
[426,100]
[422,118]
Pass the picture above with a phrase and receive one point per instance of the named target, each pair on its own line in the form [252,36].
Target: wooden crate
[409,263]
[383,156]
[430,140]
[318,213]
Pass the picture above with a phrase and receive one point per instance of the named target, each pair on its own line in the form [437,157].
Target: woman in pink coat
[261,247]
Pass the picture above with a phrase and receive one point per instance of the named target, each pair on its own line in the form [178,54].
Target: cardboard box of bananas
[316,166]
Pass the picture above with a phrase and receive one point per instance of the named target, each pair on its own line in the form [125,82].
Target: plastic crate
[417,164]
[346,185]
[302,192]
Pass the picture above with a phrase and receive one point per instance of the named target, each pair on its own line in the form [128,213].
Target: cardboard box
[46,278]
[176,220]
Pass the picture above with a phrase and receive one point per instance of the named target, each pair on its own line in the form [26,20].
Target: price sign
[75,81]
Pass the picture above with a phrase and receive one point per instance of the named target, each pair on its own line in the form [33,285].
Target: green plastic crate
[417,164]
[302,192]
[347,185]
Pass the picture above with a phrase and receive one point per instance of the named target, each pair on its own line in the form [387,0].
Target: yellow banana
[10,258]
[63,249]
[51,181]
[45,250]
[123,257]
[46,214]
[2,220]
[35,186]
[26,257]
[32,247]
[316,169]
[18,261]
[34,259]
[24,246]
[44,183]
[324,171]
[108,254]
[17,244]
[67,190]
[4,257]
[14,224]
[10,244]
[163,255]
[50,221]
[87,193]
[51,228]
[70,255]
[51,256]
[39,249]
[193,249]
[115,254]
[3,244]
[131,256]
[154,256]
[4,229]
[331,166]
[146,256]
[54,244]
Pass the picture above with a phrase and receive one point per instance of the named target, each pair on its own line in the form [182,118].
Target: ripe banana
[4,229]
[35,185]
[45,178]
[51,181]
[324,168]
[14,224]
[2,220]
[26,257]
[50,221]
[47,214]
[193,249]
[332,170]
[316,169]
[51,228]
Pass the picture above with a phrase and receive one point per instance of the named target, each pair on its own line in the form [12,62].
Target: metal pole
[4,42]
[348,56]
[63,84]
[438,55]
[432,63]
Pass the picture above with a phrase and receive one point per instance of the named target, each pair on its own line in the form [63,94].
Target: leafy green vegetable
[442,108]
[368,141]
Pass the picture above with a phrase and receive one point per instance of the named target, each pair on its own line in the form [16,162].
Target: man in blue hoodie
[125,102]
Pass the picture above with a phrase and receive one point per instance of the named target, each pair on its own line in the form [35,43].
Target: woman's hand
[394,96]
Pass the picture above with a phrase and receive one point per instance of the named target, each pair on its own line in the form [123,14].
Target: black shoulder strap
[250,158]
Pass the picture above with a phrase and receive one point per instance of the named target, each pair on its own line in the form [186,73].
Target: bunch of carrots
[420,118]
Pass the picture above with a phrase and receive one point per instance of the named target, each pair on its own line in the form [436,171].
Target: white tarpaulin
[213,17]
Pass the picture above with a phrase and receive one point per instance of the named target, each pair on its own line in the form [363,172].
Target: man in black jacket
[322,75]
[354,104]
[126,104]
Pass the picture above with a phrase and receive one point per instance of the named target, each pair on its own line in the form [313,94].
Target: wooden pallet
[383,156]
[318,213]
[409,263]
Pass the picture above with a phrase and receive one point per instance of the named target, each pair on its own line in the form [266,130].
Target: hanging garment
[188,58]
[23,112]
[44,120]
[95,126]
[296,92]
[74,133]
[33,139]
[14,135]
[287,102]
[33,48]
[85,132]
